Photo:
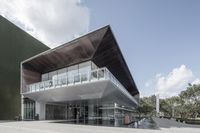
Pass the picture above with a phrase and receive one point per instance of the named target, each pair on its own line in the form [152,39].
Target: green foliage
[147,106]
[190,101]
[167,105]
[186,105]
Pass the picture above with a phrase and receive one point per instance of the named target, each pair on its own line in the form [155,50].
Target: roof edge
[123,59]
[62,45]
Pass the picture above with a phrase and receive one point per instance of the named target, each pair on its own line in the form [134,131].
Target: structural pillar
[22,107]
[40,109]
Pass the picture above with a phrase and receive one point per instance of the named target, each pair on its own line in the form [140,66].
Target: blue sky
[155,36]
[160,39]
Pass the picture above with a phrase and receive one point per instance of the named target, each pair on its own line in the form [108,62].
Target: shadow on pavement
[167,123]
[6,121]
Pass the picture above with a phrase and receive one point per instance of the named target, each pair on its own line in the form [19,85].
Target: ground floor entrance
[92,112]
[64,111]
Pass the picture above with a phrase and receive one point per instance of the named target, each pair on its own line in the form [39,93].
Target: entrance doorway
[74,112]
[55,112]
[77,113]
[29,109]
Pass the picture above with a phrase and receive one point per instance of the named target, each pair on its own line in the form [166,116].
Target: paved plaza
[171,126]
[165,126]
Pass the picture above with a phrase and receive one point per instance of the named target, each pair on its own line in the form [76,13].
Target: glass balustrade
[62,80]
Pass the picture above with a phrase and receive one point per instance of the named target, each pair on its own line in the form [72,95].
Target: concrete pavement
[173,127]
[48,127]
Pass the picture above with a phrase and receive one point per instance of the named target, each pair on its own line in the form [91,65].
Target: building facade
[86,80]
[16,46]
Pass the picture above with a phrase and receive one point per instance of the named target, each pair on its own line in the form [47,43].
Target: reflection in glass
[94,66]
[73,70]
[101,73]
[51,74]
[84,77]
[94,75]
[37,87]
[84,69]
[29,109]
[45,77]
[76,78]
[61,79]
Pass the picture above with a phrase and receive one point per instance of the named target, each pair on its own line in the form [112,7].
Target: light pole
[157,105]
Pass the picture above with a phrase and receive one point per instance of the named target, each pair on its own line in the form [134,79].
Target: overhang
[104,90]
[99,46]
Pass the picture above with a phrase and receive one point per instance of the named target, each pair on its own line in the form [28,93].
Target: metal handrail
[59,81]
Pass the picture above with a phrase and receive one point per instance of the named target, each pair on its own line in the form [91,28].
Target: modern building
[86,80]
[16,46]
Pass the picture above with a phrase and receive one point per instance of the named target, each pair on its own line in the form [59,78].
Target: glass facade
[79,73]
[81,68]
[68,75]
[66,84]
[90,112]
[29,109]
[87,111]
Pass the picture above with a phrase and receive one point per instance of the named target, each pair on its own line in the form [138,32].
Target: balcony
[62,80]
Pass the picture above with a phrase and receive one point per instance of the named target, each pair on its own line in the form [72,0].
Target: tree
[190,98]
[147,106]
[185,105]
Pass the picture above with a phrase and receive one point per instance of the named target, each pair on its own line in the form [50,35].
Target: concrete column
[91,110]
[116,121]
[22,107]
[40,109]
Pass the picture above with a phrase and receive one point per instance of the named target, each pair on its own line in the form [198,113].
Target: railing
[62,80]
[120,86]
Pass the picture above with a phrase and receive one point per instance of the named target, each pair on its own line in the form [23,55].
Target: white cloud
[170,84]
[53,22]
[173,83]
[196,81]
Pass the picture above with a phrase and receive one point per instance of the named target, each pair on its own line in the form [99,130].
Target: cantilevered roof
[100,46]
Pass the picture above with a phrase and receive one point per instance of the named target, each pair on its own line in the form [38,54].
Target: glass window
[72,74]
[62,79]
[101,73]
[29,109]
[94,75]
[47,84]
[51,74]
[62,76]
[84,69]
[41,86]
[94,66]
[37,87]
[33,88]
[45,76]
[63,70]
